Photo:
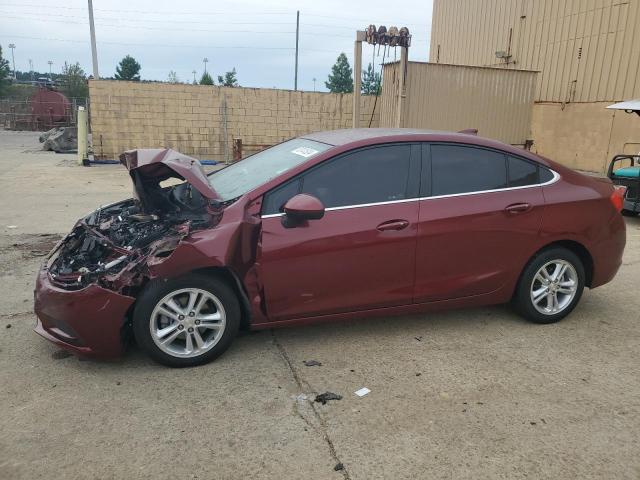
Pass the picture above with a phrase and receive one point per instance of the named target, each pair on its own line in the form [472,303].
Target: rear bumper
[607,254]
[87,322]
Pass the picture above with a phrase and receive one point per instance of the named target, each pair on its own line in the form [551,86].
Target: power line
[207,47]
[172,14]
[142,23]
[145,27]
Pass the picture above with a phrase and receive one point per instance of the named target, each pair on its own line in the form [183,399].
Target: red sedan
[332,225]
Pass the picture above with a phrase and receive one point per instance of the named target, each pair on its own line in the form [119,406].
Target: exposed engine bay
[112,245]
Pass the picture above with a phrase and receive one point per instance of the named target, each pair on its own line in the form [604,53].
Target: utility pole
[12,46]
[404,53]
[50,62]
[357,76]
[205,60]
[31,69]
[314,84]
[295,82]
[94,51]
[194,76]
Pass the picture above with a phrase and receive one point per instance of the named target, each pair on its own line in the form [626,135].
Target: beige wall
[585,50]
[452,97]
[191,118]
[584,136]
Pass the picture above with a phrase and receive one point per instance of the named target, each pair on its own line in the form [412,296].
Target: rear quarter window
[546,175]
[522,172]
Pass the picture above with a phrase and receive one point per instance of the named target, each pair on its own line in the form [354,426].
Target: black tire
[522,301]
[629,213]
[156,290]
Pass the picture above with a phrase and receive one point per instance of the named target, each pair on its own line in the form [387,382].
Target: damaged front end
[113,246]
[86,289]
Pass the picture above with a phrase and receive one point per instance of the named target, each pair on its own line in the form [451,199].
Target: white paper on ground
[362,392]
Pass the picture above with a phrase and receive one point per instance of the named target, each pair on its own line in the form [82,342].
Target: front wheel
[551,286]
[186,321]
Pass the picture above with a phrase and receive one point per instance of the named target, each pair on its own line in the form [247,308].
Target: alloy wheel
[554,286]
[187,323]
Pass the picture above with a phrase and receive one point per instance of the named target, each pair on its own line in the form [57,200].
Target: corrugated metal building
[451,97]
[587,53]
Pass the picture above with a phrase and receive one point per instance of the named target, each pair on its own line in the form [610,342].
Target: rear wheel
[186,321]
[551,286]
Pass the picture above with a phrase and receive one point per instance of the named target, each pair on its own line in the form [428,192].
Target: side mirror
[300,208]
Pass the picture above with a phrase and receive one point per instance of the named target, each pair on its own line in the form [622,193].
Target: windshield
[253,171]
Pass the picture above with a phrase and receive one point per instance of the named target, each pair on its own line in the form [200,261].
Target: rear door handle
[393,225]
[518,208]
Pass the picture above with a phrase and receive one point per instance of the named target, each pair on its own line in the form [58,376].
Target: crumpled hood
[158,164]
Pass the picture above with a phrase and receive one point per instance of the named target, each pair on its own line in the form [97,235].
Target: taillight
[617,197]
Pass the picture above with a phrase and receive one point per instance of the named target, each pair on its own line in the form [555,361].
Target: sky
[255,37]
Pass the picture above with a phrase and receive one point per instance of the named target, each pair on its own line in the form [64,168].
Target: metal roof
[630,105]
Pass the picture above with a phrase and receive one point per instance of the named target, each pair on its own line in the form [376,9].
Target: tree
[340,79]
[128,69]
[371,81]
[229,79]
[74,81]
[206,79]
[173,77]
[4,73]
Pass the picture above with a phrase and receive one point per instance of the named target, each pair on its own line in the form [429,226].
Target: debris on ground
[312,363]
[338,467]
[362,392]
[323,398]
[418,338]
[60,139]
[8,325]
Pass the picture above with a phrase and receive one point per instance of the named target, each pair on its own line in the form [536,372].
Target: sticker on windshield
[304,151]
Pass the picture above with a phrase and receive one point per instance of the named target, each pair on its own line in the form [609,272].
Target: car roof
[346,138]
[350,135]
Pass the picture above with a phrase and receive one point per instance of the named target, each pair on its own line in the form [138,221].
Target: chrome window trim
[556,177]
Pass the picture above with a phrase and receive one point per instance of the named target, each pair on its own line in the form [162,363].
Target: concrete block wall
[202,120]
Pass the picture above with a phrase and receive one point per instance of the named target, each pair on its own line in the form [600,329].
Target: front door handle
[393,225]
[518,207]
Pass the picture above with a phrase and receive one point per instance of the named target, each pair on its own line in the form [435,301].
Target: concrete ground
[465,394]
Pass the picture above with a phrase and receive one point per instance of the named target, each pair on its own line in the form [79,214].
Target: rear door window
[459,169]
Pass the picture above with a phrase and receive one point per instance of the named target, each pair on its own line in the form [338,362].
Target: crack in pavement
[321,428]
